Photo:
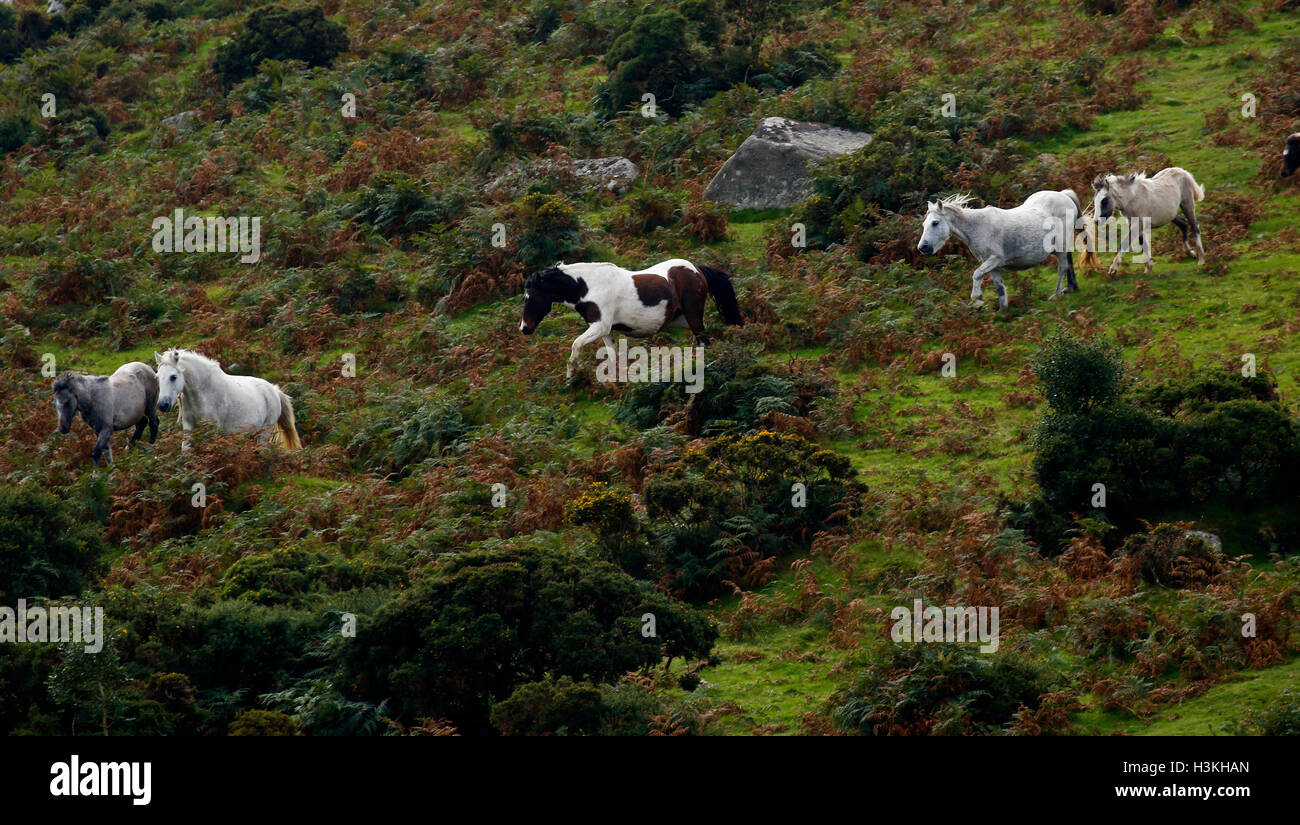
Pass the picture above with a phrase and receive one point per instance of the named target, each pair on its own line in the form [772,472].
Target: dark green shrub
[653,56]
[409,432]
[284,576]
[44,549]
[1078,376]
[15,131]
[279,33]
[902,166]
[21,30]
[550,707]
[729,509]
[927,689]
[485,621]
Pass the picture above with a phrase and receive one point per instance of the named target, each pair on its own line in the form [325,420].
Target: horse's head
[171,381]
[1290,156]
[65,400]
[1112,190]
[539,295]
[935,228]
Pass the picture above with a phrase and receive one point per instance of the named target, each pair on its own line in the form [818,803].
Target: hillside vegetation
[499,533]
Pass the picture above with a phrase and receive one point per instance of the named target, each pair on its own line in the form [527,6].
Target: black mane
[557,284]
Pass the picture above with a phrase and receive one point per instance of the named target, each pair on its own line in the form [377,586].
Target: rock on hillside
[613,174]
[770,169]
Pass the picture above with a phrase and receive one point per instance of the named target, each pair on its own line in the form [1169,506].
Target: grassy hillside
[377,246]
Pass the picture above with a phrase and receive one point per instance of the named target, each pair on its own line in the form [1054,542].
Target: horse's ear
[158,359]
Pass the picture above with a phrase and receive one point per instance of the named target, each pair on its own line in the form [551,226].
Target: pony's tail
[1200,190]
[1089,261]
[724,294]
[288,427]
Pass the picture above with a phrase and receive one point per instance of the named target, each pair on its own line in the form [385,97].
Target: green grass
[1207,714]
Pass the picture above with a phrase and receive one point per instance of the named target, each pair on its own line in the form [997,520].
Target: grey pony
[109,403]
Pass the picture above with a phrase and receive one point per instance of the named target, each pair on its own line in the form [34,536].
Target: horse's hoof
[1056,296]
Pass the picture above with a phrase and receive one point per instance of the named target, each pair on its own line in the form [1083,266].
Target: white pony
[1017,238]
[1154,201]
[197,386]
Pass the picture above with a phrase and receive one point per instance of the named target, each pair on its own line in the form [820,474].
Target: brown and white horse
[610,298]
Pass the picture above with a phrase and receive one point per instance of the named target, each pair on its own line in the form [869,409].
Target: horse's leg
[1189,209]
[1181,223]
[1072,284]
[1001,289]
[139,430]
[1144,243]
[593,332]
[977,280]
[153,426]
[103,445]
[186,426]
[1124,246]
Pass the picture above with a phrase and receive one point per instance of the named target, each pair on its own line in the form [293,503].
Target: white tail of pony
[1089,261]
[288,427]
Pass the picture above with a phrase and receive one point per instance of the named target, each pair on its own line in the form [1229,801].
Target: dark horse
[610,298]
[1290,155]
[109,403]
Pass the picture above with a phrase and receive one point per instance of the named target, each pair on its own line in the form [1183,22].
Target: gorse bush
[1207,436]
[728,510]
[486,621]
[1078,376]
[285,575]
[548,230]
[44,550]
[279,33]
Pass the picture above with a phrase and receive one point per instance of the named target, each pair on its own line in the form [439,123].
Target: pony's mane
[957,201]
[539,278]
[64,381]
[173,356]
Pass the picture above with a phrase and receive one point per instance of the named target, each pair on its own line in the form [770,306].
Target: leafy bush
[1078,376]
[728,510]
[279,33]
[394,203]
[15,131]
[44,549]
[1199,437]
[927,689]
[410,431]
[653,56]
[550,707]
[20,31]
[284,575]
[548,230]
[486,621]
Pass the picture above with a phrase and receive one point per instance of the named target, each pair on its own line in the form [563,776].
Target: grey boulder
[770,169]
